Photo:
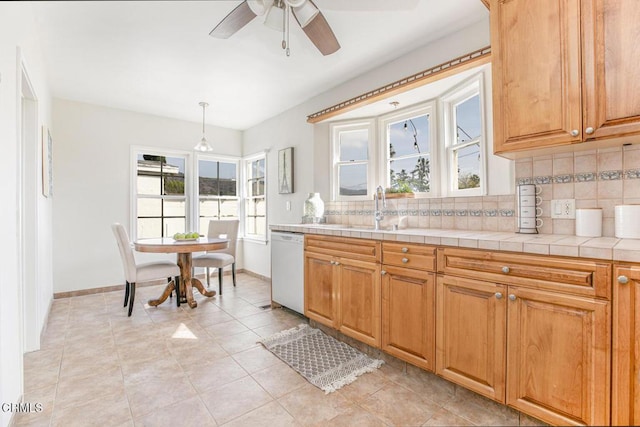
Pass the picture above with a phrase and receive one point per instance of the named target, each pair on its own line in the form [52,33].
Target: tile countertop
[606,248]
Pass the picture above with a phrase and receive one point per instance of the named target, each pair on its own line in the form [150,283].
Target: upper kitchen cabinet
[564,72]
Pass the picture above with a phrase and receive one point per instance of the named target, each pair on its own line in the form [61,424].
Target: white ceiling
[158,58]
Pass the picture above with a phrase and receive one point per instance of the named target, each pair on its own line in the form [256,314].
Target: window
[255,225]
[464,139]
[352,166]
[408,140]
[161,196]
[217,190]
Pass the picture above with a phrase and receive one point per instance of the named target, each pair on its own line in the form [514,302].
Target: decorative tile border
[581,177]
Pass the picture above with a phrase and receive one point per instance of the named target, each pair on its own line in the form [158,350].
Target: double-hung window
[353,160]
[161,194]
[408,139]
[217,190]
[464,138]
[255,206]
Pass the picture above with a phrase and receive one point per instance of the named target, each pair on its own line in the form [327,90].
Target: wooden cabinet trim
[348,247]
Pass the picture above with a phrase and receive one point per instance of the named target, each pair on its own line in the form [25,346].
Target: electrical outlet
[563,209]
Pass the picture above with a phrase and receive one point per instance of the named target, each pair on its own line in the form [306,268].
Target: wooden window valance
[456,65]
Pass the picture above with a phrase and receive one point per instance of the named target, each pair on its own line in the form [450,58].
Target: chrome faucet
[377,213]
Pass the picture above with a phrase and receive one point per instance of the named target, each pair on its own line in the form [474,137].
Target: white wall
[18,30]
[92,187]
[311,142]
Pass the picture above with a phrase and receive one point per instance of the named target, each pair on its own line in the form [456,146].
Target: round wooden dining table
[184,249]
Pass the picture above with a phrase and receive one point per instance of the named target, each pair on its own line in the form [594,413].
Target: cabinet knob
[512,297]
[498,295]
[405,260]
[505,269]
[336,263]
[589,130]
[575,132]
[405,250]
[383,272]
[623,280]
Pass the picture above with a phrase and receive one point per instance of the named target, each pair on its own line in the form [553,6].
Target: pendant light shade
[203,145]
[275,17]
[304,12]
[260,7]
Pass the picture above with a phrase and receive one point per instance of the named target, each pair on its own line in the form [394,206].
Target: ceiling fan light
[275,18]
[259,7]
[305,13]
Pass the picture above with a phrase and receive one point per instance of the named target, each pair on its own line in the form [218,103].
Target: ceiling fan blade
[321,34]
[236,19]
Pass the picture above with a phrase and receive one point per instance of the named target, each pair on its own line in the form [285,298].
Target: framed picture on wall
[47,163]
[285,171]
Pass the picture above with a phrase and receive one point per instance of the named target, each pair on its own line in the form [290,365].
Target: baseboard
[82,292]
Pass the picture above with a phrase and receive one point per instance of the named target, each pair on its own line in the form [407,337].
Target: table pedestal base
[186,285]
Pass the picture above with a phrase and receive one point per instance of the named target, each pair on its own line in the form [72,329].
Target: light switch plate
[563,209]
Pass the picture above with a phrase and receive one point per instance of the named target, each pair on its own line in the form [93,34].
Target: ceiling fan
[276,13]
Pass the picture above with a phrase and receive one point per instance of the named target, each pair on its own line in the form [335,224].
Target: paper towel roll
[627,221]
[589,222]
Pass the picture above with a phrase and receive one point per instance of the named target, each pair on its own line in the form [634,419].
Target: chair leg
[233,273]
[208,278]
[132,297]
[126,293]
[220,281]
[177,290]
[170,293]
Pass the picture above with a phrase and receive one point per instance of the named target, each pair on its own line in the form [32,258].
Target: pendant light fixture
[203,145]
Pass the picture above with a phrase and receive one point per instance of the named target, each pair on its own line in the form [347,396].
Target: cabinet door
[359,300]
[611,74]
[558,356]
[320,289]
[535,54]
[626,347]
[471,334]
[408,315]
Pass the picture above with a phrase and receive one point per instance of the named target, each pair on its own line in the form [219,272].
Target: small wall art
[285,171]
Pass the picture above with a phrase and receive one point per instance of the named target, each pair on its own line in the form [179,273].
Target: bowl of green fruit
[186,236]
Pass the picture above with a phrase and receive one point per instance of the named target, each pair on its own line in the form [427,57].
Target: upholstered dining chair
[224,229]
[143,272]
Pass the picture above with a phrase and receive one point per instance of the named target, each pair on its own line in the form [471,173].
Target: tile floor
[176,366]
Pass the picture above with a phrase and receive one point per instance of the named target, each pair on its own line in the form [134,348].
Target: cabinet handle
[589,130]
[505,269]
[405,260]
[623,280]
[575,132]
[512,297]
[405,250]
[498,295]
[336,263]
[333,262]
[383,272]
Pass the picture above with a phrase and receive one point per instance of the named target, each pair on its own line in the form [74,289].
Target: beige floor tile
[480,410]
[256,359]
[355,416]
[139,372]
[146,397]
[74,391]
[526,420]
[239,342]
[309,405]
[235,399]
[366,385]
[215,373]
[219,330]
[425,383]
[279,379]
[272,414]
[105,410]
[191,412]
[445,418]
[396,405]
[194,352]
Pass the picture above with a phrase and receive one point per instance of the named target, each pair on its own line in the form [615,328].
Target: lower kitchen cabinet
[543,353]
[320,289]
[626,346]
[408,315]
[558,355]
[471,334]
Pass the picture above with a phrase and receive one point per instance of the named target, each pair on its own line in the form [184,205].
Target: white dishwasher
[287,270]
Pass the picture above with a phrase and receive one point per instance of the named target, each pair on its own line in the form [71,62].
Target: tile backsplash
[600,178]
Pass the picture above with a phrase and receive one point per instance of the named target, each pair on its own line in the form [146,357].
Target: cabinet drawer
[418,257]
[358,249]
[575,276]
